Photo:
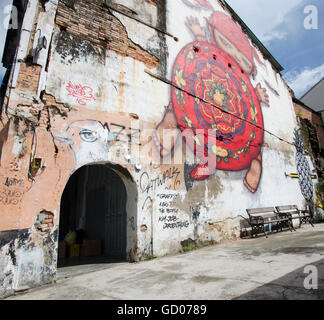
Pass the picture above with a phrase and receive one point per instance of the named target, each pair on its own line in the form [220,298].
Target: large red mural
[213,102]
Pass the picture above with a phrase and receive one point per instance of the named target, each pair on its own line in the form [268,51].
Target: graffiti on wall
[90,140]
[10,182]
[170,178]
[82,94]
[10,196]
[12,191]
[213,102]
[304,171]
[168,214]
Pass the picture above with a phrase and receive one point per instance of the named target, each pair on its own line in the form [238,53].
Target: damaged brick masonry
[84,169]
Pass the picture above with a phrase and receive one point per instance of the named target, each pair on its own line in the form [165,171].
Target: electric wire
[213,105]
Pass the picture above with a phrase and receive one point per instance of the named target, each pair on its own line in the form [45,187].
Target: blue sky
[280,26]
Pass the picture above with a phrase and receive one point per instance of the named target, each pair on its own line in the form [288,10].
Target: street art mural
[213,102]
[304,173]
[98,100]
[88,139]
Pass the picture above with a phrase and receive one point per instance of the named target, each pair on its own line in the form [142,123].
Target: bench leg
[252,232]
[290,225]
[310,221]
[265,231]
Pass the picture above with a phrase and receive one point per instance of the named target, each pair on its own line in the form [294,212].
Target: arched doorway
[93,217]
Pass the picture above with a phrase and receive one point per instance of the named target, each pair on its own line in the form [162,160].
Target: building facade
[314,124]
[147,124]
[314,98]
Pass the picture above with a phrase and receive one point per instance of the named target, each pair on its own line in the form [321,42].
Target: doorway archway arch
[98,213]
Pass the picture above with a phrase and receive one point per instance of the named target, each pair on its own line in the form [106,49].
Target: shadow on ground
[75,261]
[291,286]
[75,266]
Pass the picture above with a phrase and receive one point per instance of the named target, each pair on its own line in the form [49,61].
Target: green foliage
[299,113]
[187,249]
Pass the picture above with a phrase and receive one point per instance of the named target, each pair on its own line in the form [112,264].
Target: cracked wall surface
[112,73]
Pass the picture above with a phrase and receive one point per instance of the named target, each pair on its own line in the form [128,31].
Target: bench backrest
[291,209]
[266,211]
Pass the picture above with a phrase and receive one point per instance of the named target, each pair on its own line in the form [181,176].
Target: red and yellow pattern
[216,107]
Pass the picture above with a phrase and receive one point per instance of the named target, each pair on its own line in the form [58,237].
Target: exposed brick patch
[56,107]
[44,222]
[28,78]
[91,21]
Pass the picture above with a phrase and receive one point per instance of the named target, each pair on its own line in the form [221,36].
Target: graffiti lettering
[10,197]
[14,182]
[134,135]
[11,193]
[169,214]
[167,196]
[147,184]
[80,92]
[121,135]
[167,219]
[148,198]
[178,225]
[165,206]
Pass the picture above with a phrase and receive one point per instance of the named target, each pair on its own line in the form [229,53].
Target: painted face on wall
[228,47]
[89,140]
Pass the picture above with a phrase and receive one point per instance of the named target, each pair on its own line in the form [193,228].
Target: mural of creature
[213,102]
[197,4]
[89,141]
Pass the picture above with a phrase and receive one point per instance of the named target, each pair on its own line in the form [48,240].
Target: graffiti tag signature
[80,92]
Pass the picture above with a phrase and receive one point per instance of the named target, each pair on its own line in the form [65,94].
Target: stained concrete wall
[314,118]
[97,94]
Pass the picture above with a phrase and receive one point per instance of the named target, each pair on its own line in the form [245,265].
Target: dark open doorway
[93,217]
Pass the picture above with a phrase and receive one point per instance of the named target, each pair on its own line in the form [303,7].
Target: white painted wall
[120,85]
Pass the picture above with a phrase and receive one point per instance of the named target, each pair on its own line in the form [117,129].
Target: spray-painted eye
[88,135]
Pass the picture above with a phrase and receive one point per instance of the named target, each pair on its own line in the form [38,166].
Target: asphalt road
[277,267]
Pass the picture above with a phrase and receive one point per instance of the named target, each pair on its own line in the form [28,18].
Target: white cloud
[263,16]
[302,81]
[269,36]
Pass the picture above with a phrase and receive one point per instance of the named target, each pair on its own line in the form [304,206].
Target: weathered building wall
[113,75]
[314,118]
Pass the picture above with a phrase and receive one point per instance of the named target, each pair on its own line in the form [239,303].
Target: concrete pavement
[261,268]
